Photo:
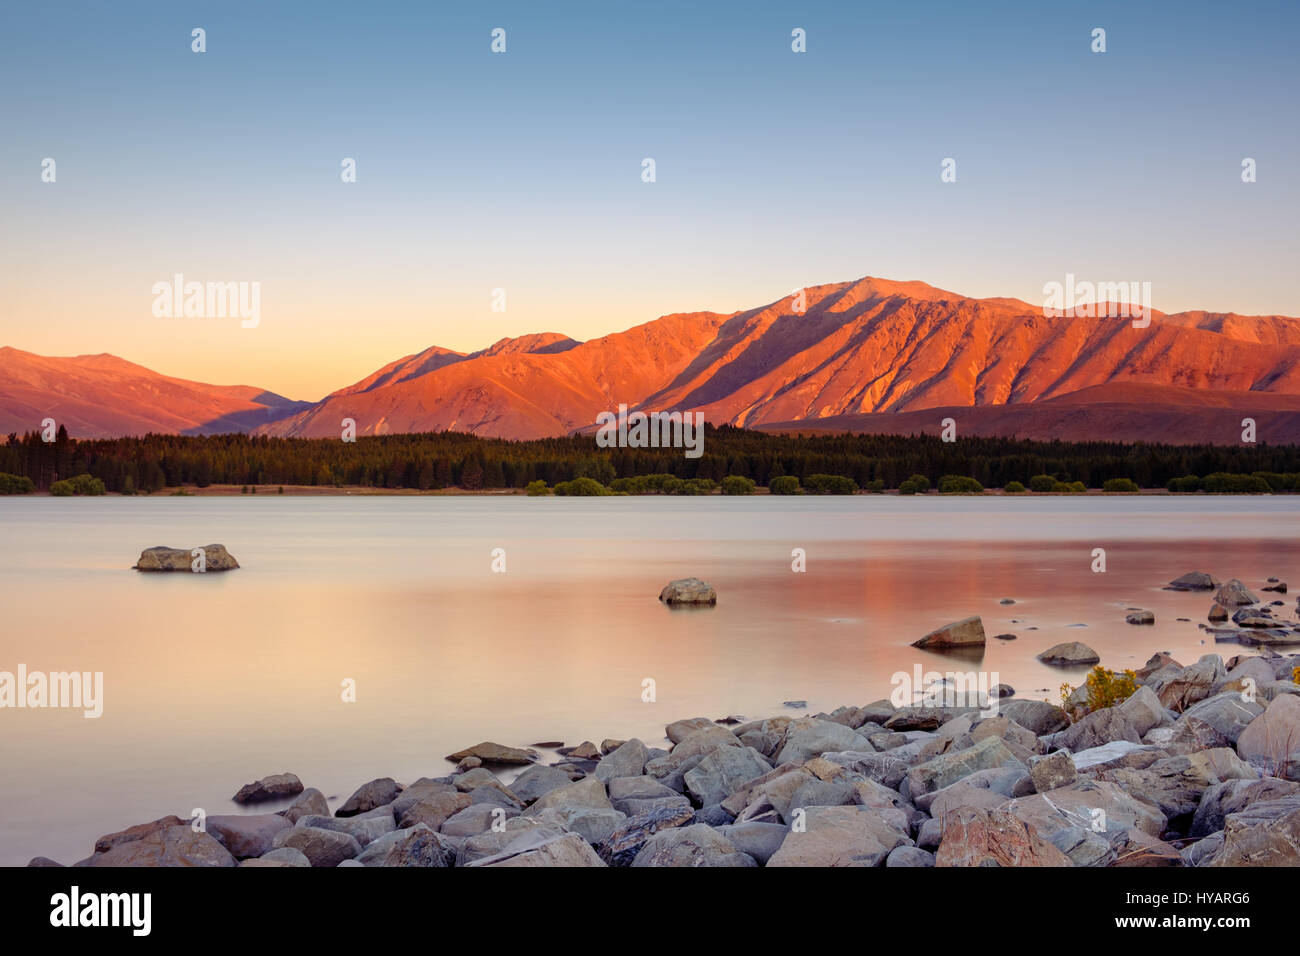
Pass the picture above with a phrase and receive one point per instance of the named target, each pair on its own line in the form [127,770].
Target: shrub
[1105,689]
[784,485]
[80,485]
[1185,484]
[62,489]
[1014,488]
[830,485]
[581,487]
[1042,483]
[876,486]
[959,485]
[1069,488]
[1120,486]
[15,484]
[536,488]
[738,485]
[1222,483]
[921,481]
[696,486]
[642,484]
[910,486]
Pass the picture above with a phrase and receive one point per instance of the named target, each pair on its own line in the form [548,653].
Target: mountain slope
[863,347]
[100,396]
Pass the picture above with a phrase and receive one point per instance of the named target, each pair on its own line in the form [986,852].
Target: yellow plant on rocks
[1105,688]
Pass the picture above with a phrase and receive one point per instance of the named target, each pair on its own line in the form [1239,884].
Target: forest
[449,459]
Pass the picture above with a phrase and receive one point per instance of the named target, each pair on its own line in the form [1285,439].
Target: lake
[214,680]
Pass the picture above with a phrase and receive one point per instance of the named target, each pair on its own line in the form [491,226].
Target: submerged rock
[968,632]
[215,558]
[1070,655]
[269,788]
[1194,581]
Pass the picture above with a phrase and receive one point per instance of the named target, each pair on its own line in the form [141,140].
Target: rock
[1180,689]
[909,856]
[1084,847]
[1052,772]
[1088,803]
[106,843]
[948,768]
[978,837]
[839,836]
[1140,617]
[1272,737]
[1037,716]
[808,737]
[474,820]
[273,787]
[1264,834]
[1277,586]
[1072,654]
[1235,594]
[489,752]
[424,787]
[968,632]
[1176,784]
[688,591]
[1226,714]
[584,751]
[469,763]
[215,557]
[1002,691]
[715,815]
[416,846]
[627,839]
[627,760]
[1194,581]
[1156,664]
[724,771]
[1253,617]
[44,862]
[1143,710]
[321,847]
[530,850]
[310,801]
[1117,753]
[539,780]
[285,856]
[246,836]
[527,831]
[1233,796]
[365,827]
[1217,613]
[635,795]
[1004,637]
[759,840]
[376,793]
[695,845]
[433,809]
[679,730]
[796,704]
[1099,727]
[1203,852]
[168,846]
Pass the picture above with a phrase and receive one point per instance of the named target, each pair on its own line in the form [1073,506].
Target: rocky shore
[1197,764]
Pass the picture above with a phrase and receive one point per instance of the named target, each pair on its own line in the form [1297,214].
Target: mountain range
[871,355]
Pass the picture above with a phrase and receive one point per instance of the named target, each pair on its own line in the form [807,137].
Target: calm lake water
[213,680]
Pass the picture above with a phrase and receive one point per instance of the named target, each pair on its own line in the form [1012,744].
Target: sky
[522,170]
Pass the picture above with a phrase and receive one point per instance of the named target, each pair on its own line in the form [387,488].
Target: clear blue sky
[522,170]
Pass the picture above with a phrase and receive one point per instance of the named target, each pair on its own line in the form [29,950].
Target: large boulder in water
[688,591]
[968,632]
[215,558]
[1194,581]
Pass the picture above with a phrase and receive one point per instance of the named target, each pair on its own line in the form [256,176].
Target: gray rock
[537,781]
[628,838]
[1052,771]
[285,856]
[950,767]
[1235,594]
[246,836]
[759,840]
[694,845]
[493,753]
[1194,581]
[1099,727]
[321,847]
[376,793]
[310,801]
[530,849]
[1140,617]
[722,772]
[273,787]
[1038,716]
[1070,654]
[628,760]
[1226,713]
[808,737]
[909,856]
[634,795]
[364,827]
[839,836]
[169,846]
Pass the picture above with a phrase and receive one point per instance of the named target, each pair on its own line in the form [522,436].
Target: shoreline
[1175,764]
